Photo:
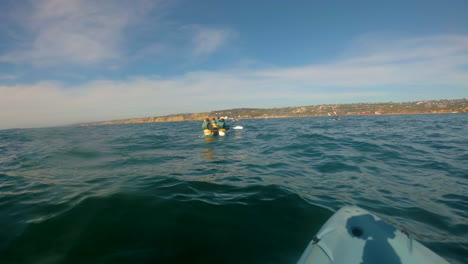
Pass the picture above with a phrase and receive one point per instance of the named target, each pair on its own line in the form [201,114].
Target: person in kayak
[206,124]
[214,123]
[222,124]
[209,128]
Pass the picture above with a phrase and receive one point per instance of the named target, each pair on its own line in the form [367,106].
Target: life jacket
[205,125]
[221,125]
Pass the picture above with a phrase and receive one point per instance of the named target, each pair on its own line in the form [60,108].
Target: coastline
[419,107]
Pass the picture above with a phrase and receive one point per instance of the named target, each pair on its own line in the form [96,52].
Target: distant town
[418,107]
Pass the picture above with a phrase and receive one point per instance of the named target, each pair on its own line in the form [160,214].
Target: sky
[70,61]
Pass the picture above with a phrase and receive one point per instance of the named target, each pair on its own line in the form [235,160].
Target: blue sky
[72,61]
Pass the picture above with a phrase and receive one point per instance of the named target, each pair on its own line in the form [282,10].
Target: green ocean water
[160,193]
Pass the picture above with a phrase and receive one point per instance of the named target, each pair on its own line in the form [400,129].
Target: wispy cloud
[87,33]
[76,31]
[359,77]
[436,60]
[8,77]
[207,40]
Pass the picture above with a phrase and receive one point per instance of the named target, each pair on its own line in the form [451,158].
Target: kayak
[210,133]
[222,132]
[353,235]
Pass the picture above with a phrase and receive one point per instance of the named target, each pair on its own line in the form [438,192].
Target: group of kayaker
[214,126]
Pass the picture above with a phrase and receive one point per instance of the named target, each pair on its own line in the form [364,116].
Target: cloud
[49,103]
[207,40]
[112,32]
[76,31]
[375,50]
[409,69]
[8,77]
[437,60]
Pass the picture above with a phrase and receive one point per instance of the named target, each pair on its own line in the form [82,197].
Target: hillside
[419,107]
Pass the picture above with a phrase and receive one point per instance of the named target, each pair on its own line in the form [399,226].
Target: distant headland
[417,107]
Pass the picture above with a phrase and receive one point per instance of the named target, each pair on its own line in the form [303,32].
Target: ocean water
[160,193]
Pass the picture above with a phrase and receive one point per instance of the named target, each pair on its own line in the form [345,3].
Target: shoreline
[136,120]
[442,106]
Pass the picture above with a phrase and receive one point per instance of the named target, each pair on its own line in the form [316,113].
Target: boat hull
[353,235]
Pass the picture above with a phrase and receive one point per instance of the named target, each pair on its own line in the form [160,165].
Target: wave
[175,222]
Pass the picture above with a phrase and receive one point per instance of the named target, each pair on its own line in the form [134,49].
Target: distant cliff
[419,107]
[169,118]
